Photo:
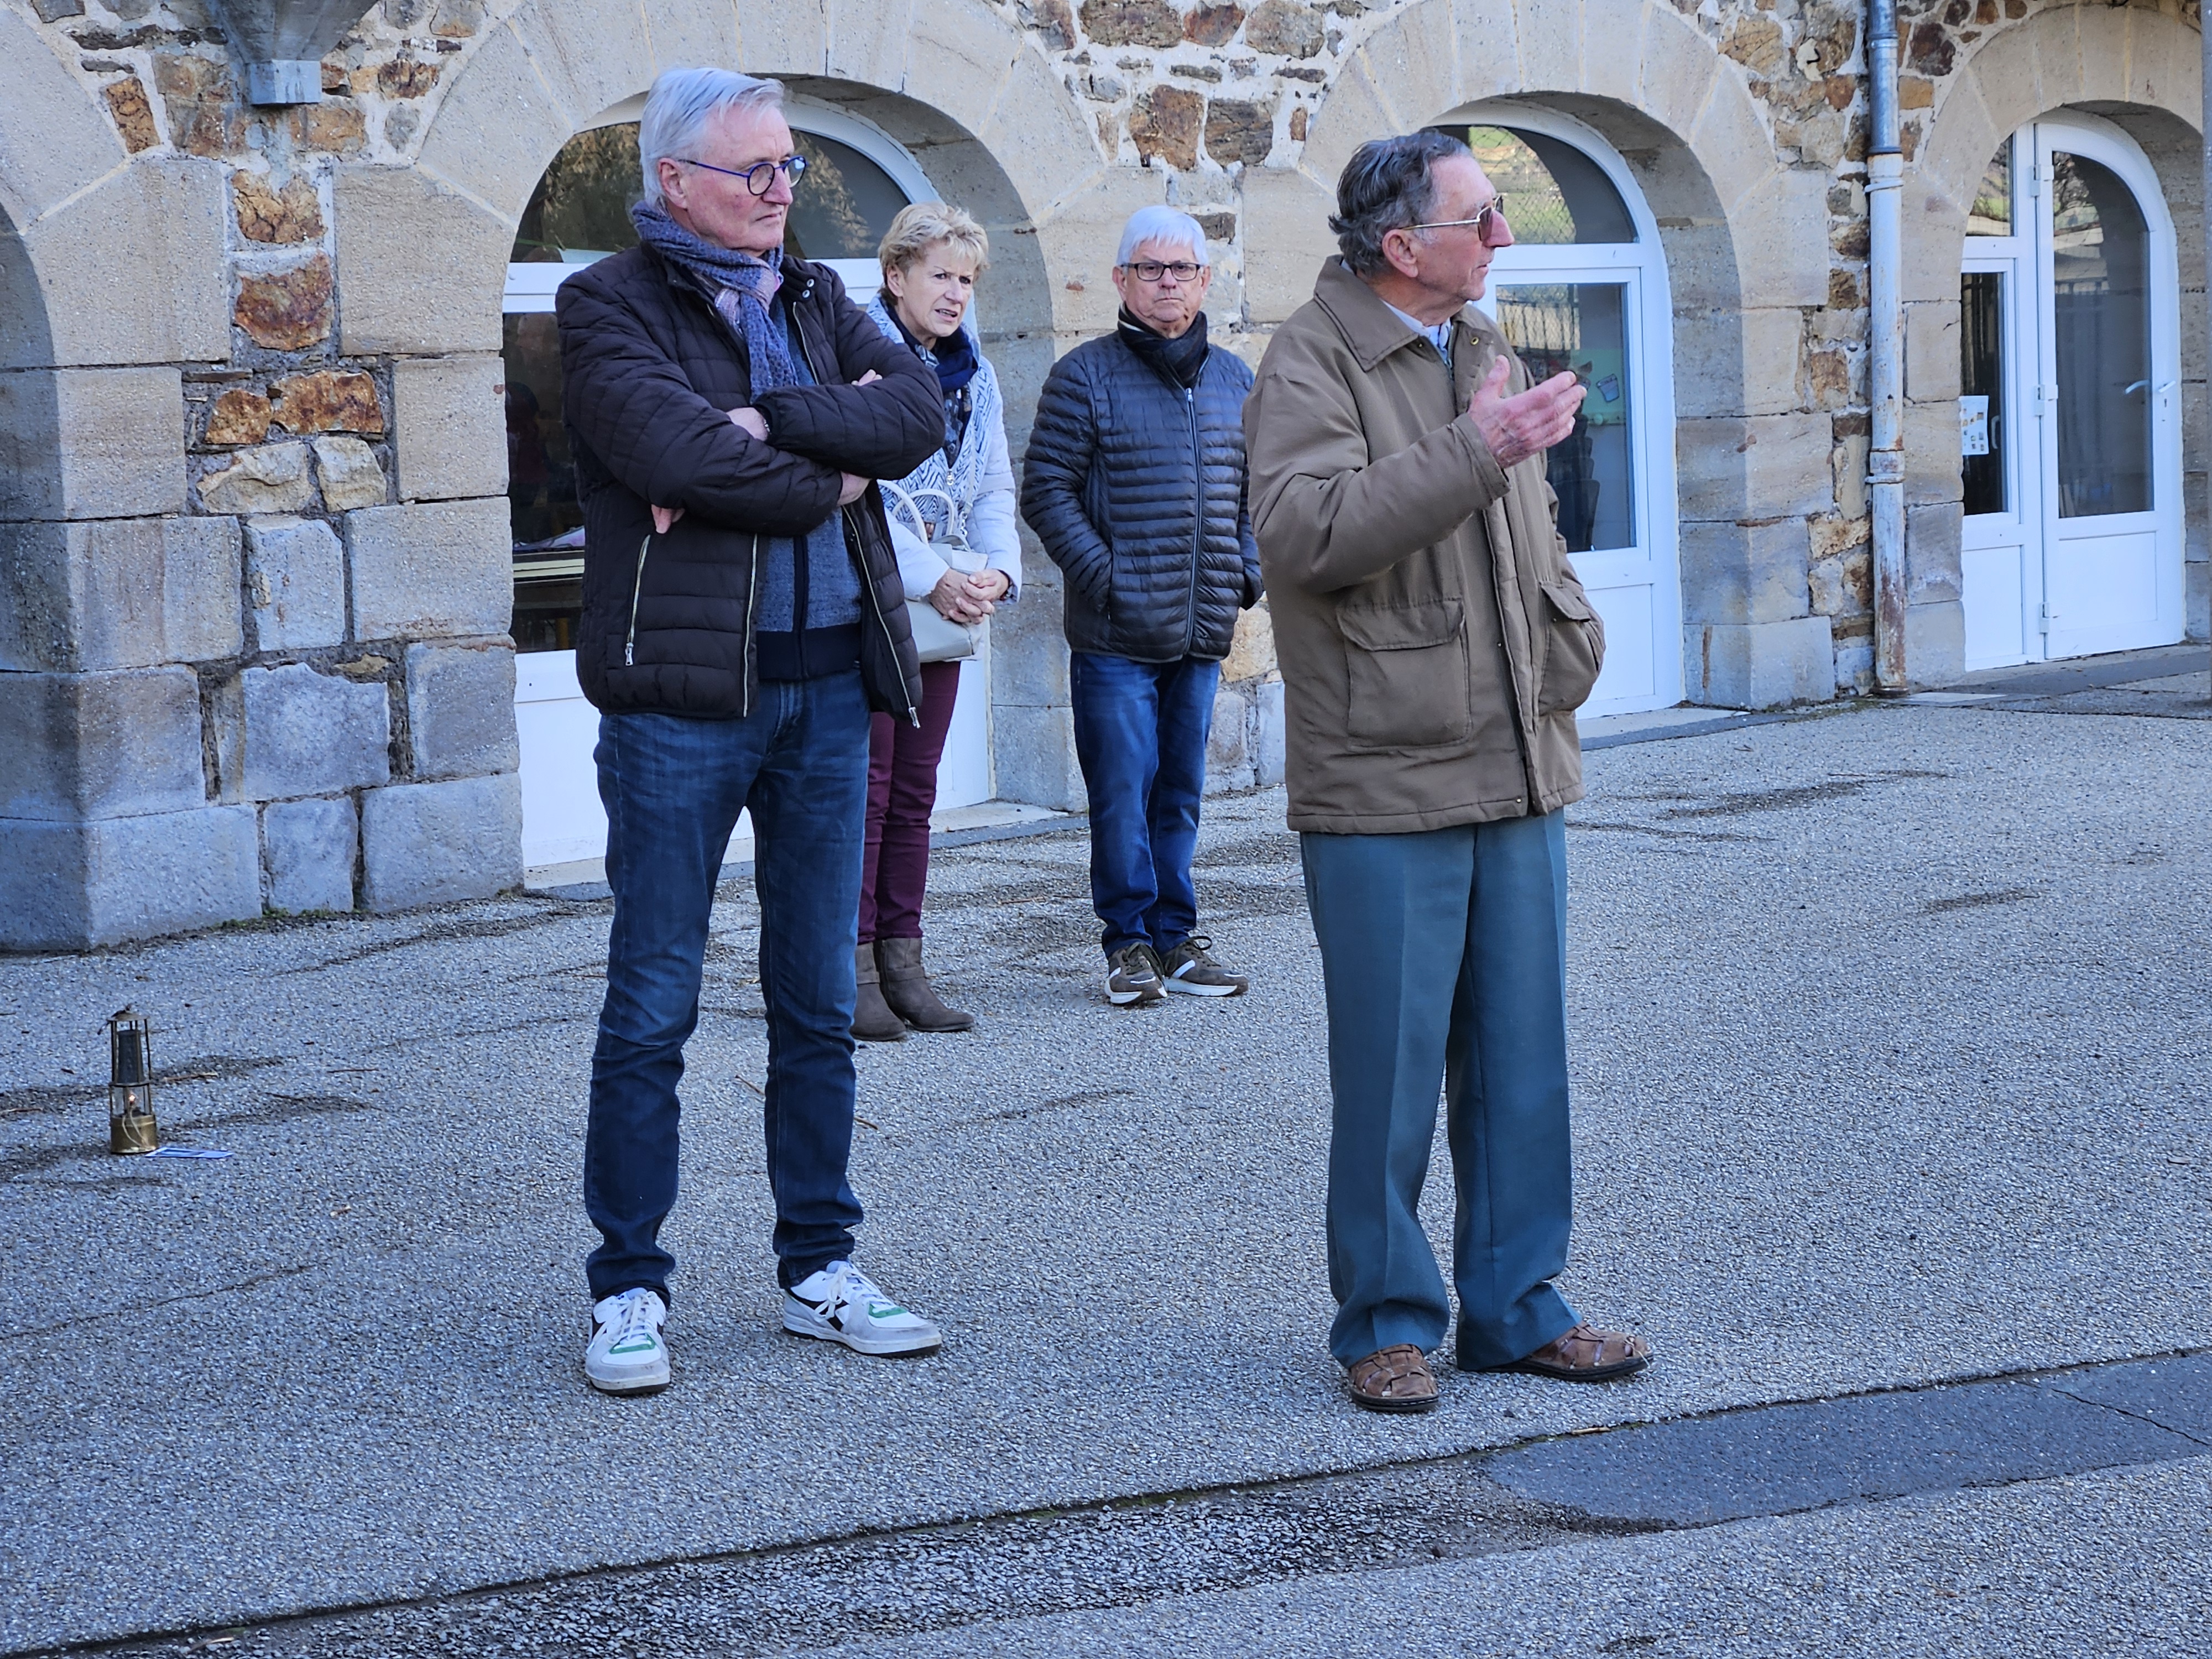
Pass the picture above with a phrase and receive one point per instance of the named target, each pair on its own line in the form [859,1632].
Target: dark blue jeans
[673,788]
[1140,730]
[1443,955]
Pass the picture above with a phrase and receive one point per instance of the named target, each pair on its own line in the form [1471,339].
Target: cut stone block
[298,732]
[415,261]
[437,843]
[91,443]
[1733,572]
[352,477]
[74,886]
[307,851]
[450,426]
[270,479]
[83,746]
[1270,745]
[1934,643]
[131,271]
[1765,467]
[1761,665]
[294,583]
[1033,755]
[460,709]
[432,570]
[1228,750]
[118,593]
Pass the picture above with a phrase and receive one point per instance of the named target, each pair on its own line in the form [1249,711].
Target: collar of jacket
[799,277]
[1370,328]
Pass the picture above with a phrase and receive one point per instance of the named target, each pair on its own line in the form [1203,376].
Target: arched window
[1583,290]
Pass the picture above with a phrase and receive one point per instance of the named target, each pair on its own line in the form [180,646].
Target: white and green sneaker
[626,1354]
[841,1303]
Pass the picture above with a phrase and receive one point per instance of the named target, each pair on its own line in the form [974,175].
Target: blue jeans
[1140,731]
[673,788]
[1444,956]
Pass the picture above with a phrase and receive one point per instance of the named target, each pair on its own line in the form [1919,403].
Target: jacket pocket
[1574,649]
[1406,675]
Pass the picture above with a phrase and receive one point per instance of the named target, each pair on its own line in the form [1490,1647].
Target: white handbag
[937,637]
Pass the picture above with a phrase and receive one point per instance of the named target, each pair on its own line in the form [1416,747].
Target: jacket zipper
[1198,524]
[752,603]
[636,590]
[845,517]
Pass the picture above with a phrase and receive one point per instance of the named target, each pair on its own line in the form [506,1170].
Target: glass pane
[2100,307]
[843,205]
[580,210]
[1557,193]
[1991,213]
[1981,387]
[541,490]
[1581,327]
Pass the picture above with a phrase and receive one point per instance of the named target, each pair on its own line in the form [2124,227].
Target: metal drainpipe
[1885,350]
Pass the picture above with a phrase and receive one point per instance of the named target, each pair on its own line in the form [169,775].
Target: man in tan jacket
[1434,645]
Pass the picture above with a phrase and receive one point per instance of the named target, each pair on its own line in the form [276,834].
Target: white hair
[1161,224]
[680,106]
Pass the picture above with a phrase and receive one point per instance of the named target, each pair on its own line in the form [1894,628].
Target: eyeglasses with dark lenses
[760,177]
[1151,270]
[1492,215]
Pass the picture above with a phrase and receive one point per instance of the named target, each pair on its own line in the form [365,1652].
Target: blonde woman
[931,256]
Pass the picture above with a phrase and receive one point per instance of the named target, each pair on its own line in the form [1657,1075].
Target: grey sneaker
[1187,969]
[1132,975]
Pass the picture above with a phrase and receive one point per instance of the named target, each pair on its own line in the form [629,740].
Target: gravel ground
[2110,1564]
[1891,1029]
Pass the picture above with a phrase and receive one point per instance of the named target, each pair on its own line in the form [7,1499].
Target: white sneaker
[841,1303]
[626,1354]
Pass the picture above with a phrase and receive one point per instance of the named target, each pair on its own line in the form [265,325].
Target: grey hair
[1161,224]
[680,106]
[1388,184]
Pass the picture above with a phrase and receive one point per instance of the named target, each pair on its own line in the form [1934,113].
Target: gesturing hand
[1529,425]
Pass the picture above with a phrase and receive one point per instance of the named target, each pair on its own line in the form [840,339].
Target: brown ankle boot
[873,1019]
[908,990]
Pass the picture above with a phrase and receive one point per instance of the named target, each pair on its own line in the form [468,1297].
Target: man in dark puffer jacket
[743,613]
[1134,482]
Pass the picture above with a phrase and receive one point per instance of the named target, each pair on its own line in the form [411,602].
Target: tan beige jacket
[1434,640]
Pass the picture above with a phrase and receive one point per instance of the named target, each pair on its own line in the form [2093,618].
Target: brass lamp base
[132,1134]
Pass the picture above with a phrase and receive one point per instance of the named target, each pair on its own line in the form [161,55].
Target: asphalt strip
[1679,1474]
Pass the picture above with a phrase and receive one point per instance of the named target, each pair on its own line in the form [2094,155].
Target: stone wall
[253,579]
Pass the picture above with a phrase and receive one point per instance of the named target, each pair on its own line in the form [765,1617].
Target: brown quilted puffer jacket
[651,373]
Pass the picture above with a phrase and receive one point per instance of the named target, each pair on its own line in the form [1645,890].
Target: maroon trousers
[902,792]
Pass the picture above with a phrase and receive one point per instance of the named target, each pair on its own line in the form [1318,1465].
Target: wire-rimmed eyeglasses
[760,177]
[1493,214]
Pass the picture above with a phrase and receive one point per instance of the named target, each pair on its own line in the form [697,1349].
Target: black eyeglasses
[760,177]
[1151,270]
[1492,212]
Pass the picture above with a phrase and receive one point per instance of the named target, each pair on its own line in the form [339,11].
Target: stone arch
[1746,241]
[971,96]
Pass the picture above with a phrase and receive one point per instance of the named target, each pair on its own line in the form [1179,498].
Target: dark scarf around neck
[741,287]
[1182,359]
[957,360]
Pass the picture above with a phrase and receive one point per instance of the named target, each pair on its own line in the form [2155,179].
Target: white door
[1584,290]
[2070,410]
[857,179]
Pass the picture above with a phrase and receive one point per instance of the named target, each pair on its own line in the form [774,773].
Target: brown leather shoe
[1393,1379]
[872,1018]
[907,991]
[1587,1354]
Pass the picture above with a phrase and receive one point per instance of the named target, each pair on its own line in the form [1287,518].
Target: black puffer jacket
[1136,488]
[651,373]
